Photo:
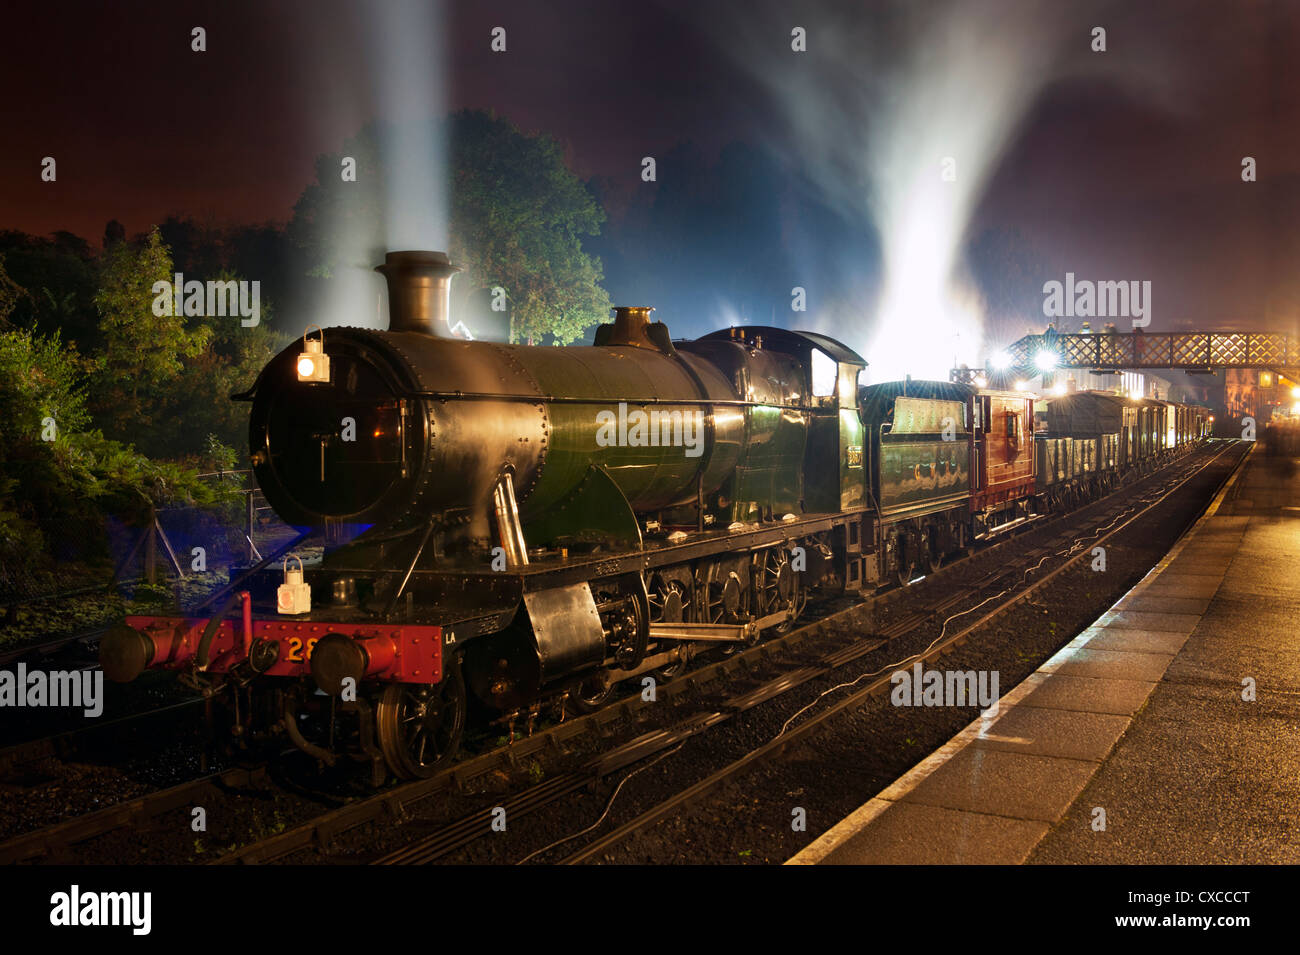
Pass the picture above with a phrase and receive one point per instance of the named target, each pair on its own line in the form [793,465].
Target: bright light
[313,363]
[1000,362]
[911,148]
[1058,388]
[1295,392]
[981,382]
[1045,360]
[1022,386]
[1135,393]
[926,333]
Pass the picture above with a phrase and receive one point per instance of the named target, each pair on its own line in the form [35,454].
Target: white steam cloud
[408,60]
[888,100]
[401,196]
[967,79]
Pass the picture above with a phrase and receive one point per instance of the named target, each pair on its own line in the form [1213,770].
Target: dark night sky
[1128,168]
[142,126]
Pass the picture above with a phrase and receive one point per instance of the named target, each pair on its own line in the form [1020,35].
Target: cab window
[824,372]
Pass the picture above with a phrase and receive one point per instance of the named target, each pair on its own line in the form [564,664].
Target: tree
[114,232]
[143,353]
[10,294]
[40,377]
[58,477]
[518,218]
[196,249]
[39,382]
[197,406]
[64,266]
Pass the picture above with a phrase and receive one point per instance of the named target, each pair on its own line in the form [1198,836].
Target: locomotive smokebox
[419,290]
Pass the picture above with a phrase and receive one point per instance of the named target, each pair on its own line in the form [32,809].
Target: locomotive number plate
[300,649]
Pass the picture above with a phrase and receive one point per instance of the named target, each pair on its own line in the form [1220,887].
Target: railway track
[656,744]
[88,639]
[878,686]
[55,841]
[398,802]
[68,744]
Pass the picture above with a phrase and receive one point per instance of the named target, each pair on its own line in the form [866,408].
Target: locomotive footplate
[461,585]
[472,600]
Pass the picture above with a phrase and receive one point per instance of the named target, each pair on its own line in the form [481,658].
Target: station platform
[1141,717]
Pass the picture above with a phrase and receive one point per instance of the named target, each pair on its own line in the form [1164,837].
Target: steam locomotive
[509,527]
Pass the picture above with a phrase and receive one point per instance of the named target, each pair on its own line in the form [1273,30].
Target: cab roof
[793,342]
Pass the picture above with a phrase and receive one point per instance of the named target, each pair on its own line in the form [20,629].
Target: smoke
[969,76]
[408,58]
[399,199]
[899,115]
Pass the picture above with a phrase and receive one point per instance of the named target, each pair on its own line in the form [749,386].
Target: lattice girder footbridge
[1189,351]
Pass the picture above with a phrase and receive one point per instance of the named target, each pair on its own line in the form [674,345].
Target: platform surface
[1138,724]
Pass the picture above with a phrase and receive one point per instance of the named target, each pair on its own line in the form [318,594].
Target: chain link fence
[173,557]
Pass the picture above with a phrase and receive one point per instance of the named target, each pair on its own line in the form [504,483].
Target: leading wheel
[592,693]
[420,727]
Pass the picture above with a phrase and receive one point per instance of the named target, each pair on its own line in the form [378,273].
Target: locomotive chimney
[419,288]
